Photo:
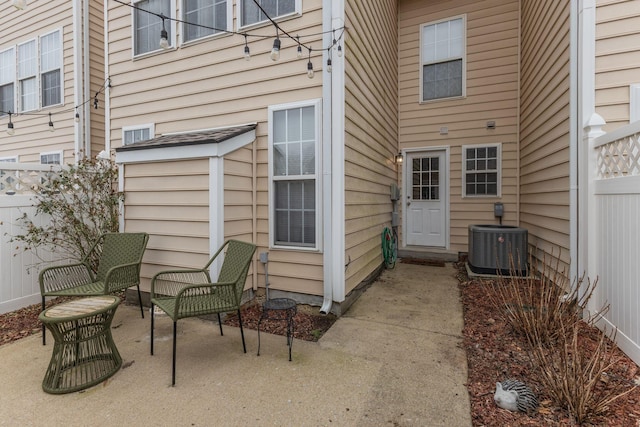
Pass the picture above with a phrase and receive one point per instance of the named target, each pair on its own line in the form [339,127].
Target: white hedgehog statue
[515,396]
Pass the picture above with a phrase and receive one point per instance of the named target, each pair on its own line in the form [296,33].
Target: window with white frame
[147,26]
[442,59]
[7,79]
[211,17]
[294,140]
[51,68]
[52,158]
[27,75]
[481,173]
[133,134]
[251,14]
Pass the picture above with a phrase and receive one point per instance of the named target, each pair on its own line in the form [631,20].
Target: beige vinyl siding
[544,132]
[170,201]
[32,135]
[617,59]
[492,30]
[208,84]
[371,123]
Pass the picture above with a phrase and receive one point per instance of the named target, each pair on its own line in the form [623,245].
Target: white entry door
[426,198]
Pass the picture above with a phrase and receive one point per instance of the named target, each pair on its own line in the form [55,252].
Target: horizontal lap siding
[617,59]
[170,201]
[492,95]
[370,132]
[208,84]
[544,133]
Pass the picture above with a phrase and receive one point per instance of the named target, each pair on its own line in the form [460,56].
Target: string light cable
[11,129]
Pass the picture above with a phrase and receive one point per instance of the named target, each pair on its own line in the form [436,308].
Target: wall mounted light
[398,159]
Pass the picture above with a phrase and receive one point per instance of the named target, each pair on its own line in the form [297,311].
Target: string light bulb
[247,52]
[20,4]
[95,102]
[77,117]
[275,51]
[309,66]
[299,53]
[51,128]
[10,129]
[339,50]
[329,67]
[164,36]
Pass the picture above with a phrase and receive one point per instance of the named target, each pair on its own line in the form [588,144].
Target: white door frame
[445,183]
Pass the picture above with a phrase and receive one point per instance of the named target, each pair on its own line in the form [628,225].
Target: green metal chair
[190,292]
[119,257]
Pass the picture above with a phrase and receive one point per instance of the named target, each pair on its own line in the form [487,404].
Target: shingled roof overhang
[198,144]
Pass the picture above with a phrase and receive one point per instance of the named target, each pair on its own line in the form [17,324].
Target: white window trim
[61,62]
[295,14]
[18,93]
[317,104]
[634,102]
[10,159]
[14,107]
[499,171]
[47,153]
[228,29]
[150,126]
[463,57]
[168,22]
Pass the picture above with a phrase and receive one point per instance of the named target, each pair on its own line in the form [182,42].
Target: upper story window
[214,14]
[481,172]
[442,59]
[50,69]
[147,26]
[251,14]
[294,136]
[7,80]
[132,134]
[38,74]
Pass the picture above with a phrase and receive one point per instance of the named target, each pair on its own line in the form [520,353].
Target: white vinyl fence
[614,228]
[19,269]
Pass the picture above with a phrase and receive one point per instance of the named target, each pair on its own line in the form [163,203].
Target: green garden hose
[389,248]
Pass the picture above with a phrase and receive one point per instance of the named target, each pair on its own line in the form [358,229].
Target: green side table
[84,353]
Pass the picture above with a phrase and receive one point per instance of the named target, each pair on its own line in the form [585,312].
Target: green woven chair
[119,257]
[190,293]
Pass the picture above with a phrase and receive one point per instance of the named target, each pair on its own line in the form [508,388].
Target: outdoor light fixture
[95,102]
[299,52]
[77,118]
[51,128]
[309,69]
[10,129]
[275,52]
[20,4]
[164,36]
[329,66]
[339,50]
[247,53]
[398,159]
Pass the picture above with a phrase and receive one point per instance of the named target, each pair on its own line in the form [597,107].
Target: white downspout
[327,200]
[107,90]
[78,85]
[87,77]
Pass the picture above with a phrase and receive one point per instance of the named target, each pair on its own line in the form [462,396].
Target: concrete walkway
[393,359]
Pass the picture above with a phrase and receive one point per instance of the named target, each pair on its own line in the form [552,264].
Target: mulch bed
[495,353]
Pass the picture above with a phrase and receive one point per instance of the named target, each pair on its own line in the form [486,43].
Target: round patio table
[84,353]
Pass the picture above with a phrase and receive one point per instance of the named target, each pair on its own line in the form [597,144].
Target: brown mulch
[495,353]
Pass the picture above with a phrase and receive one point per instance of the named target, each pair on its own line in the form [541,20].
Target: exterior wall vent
[493,247]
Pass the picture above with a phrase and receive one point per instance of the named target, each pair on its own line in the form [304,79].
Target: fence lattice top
[619,158]
[25,178]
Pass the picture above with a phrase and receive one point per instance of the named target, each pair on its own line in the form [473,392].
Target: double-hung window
[52,158]
[252,14]
[50,68]
[27,75]
[481,170]
[148,26]
[442,59]
[7,78]
[210,16]
[133,134]
[294,140]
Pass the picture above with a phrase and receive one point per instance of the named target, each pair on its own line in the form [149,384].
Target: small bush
[79,204]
